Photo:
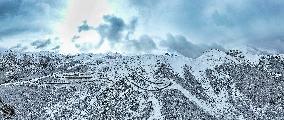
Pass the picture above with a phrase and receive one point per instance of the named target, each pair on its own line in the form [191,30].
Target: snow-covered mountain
[217,85]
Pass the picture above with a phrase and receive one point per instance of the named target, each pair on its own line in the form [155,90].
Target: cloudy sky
[186,27]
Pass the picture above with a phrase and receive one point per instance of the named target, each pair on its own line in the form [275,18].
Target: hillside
[217,85]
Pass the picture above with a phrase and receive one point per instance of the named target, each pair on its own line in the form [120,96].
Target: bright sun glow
[76,13]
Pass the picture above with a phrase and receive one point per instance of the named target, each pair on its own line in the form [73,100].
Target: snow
[114,67]
[193,98]
[156,114]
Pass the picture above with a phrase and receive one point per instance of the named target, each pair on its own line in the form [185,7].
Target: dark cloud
[9,7]
[28,16]
[75,38]
[131,27]
[230,23]
[117,31]
[15,30]
[56,47]
[112,29]
[85,27]
[38,44]
[19,47]
[144,43]
[274,43]
[181,45]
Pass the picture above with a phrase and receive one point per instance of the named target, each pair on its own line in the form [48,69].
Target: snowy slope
[216,85]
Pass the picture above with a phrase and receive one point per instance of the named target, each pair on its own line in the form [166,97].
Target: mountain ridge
[216,85]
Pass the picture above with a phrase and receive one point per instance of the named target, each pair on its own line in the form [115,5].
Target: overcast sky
[187,27]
